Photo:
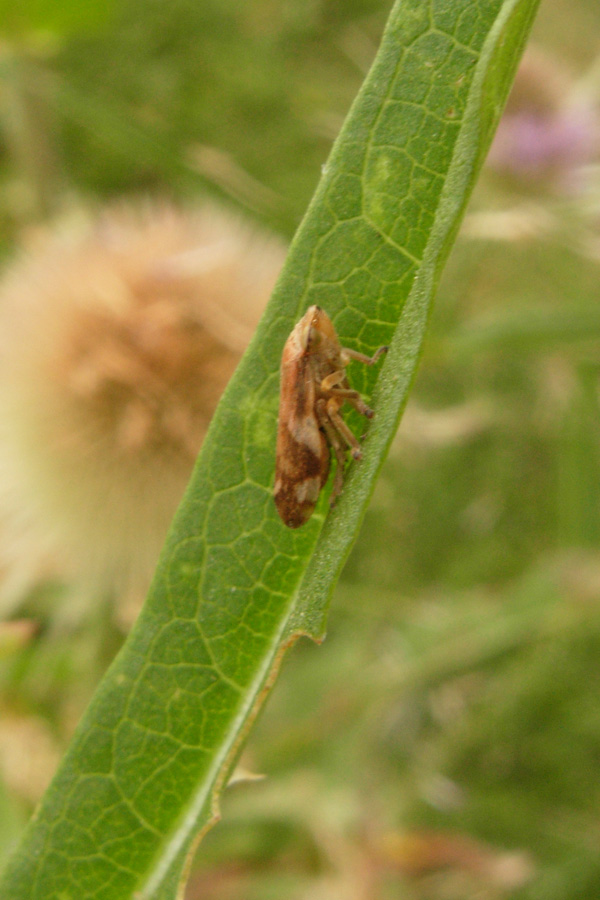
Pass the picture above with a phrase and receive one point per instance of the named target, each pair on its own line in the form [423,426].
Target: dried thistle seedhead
[314,387]
[117,339]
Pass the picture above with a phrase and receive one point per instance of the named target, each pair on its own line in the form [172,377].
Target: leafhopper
[314,387]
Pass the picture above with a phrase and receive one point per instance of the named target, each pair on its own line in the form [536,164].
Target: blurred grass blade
[234,586]
[528,328]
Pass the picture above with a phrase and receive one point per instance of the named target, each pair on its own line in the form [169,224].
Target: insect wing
[302,456]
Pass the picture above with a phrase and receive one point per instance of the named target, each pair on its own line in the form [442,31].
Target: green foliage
[25,21]
[234,586]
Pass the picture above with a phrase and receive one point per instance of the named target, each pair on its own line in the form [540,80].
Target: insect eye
[315,338]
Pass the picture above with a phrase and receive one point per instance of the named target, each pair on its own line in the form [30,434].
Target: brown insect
[313,389]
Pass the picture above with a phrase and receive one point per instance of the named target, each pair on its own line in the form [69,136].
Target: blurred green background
[444,743]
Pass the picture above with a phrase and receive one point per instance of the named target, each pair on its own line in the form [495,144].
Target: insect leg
[327,387]
[362,357]
[354,399]
[341,427]
[331,380]
[338,448]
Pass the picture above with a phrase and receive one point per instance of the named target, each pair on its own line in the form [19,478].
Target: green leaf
[234,586]
[11,822]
